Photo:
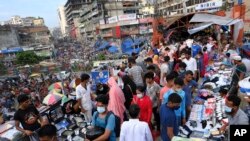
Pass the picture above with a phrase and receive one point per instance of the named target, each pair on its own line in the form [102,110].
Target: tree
[27,57]
[3,69]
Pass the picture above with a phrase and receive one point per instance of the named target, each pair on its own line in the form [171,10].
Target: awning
[172,20]
[208,18]
[103,46]
[12,50]
[113,49]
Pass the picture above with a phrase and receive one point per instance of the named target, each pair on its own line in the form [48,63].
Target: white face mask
[101,89]
[139,95]
[100,110]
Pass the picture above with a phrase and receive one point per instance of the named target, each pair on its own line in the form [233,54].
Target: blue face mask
[181,71]
[228,109]
[101,110]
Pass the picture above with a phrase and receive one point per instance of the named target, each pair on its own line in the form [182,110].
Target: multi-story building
[62,19]
[72,11]
[247,17]
[28,21]
[34,35]
[110,19]
[16,20]
[180,7]
[38,21]
[8,37]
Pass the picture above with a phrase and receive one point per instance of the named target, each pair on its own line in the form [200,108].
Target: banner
[127,17]
[209,5]
[99,77]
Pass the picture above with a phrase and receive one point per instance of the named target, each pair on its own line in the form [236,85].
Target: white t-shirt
[135,130]
[191,64]
[164,69]
[84,95]
[247,63]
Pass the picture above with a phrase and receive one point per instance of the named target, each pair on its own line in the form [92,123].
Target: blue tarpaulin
[104,45]
[130,51]
[113,49]
[126,44]
[12,50]
[195,50]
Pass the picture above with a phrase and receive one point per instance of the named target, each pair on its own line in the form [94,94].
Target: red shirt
[145,105]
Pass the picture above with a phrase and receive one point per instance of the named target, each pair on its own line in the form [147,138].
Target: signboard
[209,5]
[113,19]
[127,17]
[99,77]
[102,22]
[128,22]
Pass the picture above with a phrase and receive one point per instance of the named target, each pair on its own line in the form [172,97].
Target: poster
[99,77]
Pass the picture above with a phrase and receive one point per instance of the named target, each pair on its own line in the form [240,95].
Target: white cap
[237,58]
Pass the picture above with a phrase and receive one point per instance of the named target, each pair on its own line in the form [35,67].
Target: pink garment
[116,99]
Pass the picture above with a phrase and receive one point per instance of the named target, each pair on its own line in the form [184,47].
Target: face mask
[181,71]
[228,110]
[100,110]
[139,95]
[177,90]
[176,107]
[101,89]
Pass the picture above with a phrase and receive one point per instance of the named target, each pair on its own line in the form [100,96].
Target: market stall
[207,115]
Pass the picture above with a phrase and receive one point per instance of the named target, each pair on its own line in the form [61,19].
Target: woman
[144,103]
[129,90]
[116,99]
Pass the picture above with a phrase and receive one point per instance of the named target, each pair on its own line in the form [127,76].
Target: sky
[25,8]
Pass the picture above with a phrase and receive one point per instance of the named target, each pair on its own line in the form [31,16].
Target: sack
[117,122]
[94,133]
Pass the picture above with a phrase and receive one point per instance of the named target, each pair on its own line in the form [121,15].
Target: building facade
[62,20]
[110,19]
[38,21]
[8,37]
[72,11]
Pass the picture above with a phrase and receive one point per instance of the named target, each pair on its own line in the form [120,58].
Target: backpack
[117,122]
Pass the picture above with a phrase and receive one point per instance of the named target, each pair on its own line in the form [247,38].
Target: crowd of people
[153,99]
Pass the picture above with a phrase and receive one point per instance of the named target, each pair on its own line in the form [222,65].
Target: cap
[237,58]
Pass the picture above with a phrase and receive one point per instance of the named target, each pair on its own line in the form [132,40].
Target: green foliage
[3,69]
[101,57]
[27,57]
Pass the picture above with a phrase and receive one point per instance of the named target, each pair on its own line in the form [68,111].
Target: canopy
[104,45]
[208,18]
[12,50]
[113,49]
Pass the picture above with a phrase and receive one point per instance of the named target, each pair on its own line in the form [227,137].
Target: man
[153,91]
[170,83]
[236,115]
[99,118]
[188,88]
[191,63]
[102,89]
[170,53]
[151,68]
[180,69]
[135,130]
[28,116]
[48,133]
[169,126]
[83,96]
[149,61]
[164,70]
[135,72]
[181,112]
[238,74]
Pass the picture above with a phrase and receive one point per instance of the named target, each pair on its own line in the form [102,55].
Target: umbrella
[55,92]
[51,99]
[57,85]
[74,83]
[245,85]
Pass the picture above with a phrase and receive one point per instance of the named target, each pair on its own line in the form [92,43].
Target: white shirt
[247,63]
[191,64]
[164,69]
[84,95]
[135,130]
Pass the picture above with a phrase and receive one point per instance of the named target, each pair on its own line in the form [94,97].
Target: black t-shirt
[104,91]
[28,118]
